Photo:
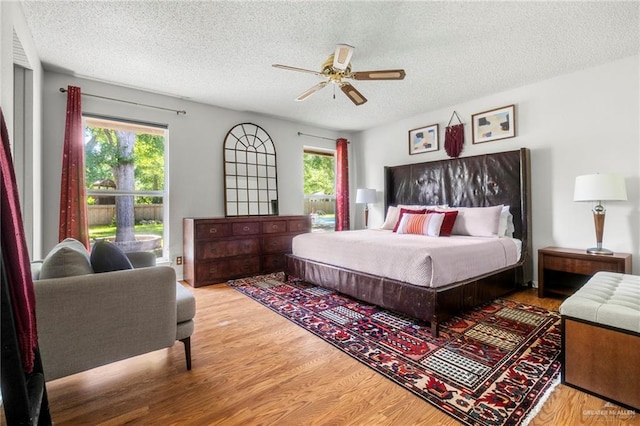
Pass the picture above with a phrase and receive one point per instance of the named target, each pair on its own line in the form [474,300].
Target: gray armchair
[85,321]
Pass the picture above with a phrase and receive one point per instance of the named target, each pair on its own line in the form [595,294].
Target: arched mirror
[250,173]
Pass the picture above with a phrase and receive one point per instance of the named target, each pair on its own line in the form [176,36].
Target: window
[319,189]
[125,178]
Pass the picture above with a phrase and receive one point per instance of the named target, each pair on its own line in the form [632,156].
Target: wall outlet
[179,260]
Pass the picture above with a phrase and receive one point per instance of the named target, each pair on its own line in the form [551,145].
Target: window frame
[158,129]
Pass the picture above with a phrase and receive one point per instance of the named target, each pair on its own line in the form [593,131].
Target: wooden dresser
[220,249]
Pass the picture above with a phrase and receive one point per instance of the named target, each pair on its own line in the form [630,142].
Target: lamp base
[596,250]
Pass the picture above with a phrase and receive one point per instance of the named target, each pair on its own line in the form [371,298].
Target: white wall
[196,187]
[580,123]
[12,19]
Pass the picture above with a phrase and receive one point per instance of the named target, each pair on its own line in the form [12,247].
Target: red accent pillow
[449,221]
[403,211]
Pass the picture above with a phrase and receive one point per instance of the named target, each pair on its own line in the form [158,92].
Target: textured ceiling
[220,53]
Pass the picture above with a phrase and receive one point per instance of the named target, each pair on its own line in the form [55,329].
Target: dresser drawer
[246,228]
[273,262]
[274,227]
[227,248]
[213,272]
[276,244]
[578,266]
[211,230]
[299,225]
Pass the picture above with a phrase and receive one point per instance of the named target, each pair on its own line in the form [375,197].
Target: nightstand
[561,271]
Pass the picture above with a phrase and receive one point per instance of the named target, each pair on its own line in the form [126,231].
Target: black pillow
[107,257]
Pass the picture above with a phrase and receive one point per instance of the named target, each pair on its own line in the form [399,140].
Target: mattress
[414,259]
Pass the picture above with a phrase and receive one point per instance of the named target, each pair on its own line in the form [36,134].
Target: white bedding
[415,259]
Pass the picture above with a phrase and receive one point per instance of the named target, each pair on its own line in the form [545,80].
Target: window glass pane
[264,208]
[230,155]
[130,222]
[252,158]
[130,158]
[241,182]
[319,189]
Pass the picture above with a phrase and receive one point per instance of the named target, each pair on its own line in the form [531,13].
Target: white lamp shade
[365,195]
[600,187]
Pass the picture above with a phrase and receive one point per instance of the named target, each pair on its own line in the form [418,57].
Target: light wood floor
[253,367]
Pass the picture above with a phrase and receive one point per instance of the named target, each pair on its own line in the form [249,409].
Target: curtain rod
[314,136]
[62,90]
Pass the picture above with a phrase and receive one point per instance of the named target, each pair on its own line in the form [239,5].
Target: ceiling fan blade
[286,67]
[342,56]
[379,75]
[311,91]
[351,92]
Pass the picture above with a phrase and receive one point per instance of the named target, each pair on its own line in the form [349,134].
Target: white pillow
[511,229]
[68,258]
[506,228]
[392,217]
[421,224]
[478,221]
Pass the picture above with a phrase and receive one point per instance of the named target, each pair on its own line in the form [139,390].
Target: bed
[476,181]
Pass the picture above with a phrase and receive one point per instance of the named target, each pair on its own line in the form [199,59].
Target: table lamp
[366,196]
[598,188]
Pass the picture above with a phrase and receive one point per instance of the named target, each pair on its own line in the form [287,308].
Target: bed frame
[477,181]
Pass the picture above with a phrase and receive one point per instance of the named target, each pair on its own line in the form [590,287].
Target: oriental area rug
[494,365]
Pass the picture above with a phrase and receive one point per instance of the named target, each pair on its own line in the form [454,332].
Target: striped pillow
[421,224]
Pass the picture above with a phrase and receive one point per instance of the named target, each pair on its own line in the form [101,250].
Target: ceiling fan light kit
[338,67]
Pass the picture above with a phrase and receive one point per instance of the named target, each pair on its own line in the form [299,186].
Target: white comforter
[415,259]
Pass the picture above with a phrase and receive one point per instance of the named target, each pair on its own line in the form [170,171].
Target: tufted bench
[601,338]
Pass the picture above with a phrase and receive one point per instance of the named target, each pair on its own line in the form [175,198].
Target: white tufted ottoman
[601,338]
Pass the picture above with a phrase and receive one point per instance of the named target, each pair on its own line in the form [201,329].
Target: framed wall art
[424,139]
[499,123]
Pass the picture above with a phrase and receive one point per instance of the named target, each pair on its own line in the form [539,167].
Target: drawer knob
[213,270]
[246,229]
[274,226]
[213,230]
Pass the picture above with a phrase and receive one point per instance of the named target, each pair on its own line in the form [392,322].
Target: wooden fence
[323,206]
[104,214]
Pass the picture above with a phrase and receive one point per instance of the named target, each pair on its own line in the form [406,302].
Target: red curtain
[73,195]
[342,185]
[15,256]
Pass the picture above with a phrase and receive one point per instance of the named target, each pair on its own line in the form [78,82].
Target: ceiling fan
[337,68]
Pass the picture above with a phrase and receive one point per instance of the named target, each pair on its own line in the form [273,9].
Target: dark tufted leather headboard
[477,181]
